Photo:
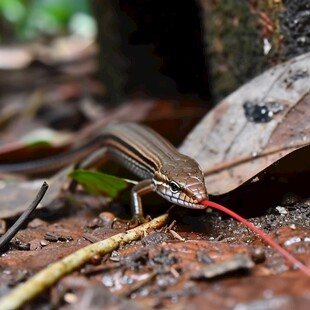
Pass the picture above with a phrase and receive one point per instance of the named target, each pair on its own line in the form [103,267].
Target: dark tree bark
[151,47]
[245,38]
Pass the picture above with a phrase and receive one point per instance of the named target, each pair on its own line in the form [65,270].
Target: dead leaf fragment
[254,127]
[239,262]
[15,195]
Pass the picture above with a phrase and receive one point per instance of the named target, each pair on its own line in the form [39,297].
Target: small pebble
[107,217]
[258,255]
[35,245]
[281,210]
[94,223]
[44,242]
[70,298]
[96,259]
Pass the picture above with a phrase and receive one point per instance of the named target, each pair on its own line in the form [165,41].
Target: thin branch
[6,238]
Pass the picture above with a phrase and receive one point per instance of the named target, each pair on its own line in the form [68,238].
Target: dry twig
[51,274]
[6,238]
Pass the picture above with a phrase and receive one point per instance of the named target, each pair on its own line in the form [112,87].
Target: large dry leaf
[255,126]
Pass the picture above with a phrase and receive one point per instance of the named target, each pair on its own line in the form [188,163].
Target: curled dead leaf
[254,127]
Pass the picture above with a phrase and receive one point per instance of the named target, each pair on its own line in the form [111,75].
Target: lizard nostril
[194,198]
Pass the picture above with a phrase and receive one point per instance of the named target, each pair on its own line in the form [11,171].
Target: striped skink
[174,176]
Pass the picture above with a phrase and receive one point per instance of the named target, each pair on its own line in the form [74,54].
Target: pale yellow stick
[51,274]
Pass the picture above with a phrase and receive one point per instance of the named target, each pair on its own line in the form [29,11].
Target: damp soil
[204,261]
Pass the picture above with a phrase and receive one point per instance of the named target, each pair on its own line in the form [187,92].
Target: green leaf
[99,183]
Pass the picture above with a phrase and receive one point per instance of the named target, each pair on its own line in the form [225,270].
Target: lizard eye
[174,187]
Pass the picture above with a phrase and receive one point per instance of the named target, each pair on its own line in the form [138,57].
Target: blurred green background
[23,20]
